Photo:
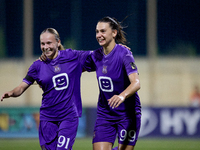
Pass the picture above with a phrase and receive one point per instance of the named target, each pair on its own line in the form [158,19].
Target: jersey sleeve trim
[29,80]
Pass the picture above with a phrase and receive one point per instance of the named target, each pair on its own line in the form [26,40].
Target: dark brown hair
[115,25]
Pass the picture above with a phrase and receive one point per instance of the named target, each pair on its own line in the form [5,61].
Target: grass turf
[86,144]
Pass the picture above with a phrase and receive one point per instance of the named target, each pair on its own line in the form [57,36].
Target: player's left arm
[116,100]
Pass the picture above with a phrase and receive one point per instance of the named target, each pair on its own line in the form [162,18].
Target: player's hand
[125,46]
[5,95]
[43,57]
[115,101]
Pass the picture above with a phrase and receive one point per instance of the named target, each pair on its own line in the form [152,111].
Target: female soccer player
[119,108]
[59,78]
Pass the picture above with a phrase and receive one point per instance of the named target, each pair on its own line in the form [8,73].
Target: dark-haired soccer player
[119,108]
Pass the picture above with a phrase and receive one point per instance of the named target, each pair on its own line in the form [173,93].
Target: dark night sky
[178,23]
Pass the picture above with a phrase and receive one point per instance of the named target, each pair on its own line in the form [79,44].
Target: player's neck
[109,48]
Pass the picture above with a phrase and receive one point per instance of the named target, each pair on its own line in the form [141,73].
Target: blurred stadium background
[163,36]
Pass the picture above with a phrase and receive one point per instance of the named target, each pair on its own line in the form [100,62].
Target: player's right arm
[16,91]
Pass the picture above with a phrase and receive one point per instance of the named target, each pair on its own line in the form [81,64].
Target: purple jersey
[112,74]
[60,81]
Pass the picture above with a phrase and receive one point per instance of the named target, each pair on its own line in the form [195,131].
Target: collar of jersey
[110,52]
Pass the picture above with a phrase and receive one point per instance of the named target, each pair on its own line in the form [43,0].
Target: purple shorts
[126,129]
[58,135]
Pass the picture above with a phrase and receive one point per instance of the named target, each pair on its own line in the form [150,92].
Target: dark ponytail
[115,25]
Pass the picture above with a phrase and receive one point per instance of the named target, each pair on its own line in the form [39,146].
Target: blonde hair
[56,34]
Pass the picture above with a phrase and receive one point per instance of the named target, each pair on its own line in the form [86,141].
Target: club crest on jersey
[104,70]
[56,68]
[133,66]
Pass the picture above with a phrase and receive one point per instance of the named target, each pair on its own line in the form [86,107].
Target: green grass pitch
[86,144]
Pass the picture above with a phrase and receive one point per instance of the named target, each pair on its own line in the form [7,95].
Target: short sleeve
[129,63]
[89,64]
[31,74]
[83,55]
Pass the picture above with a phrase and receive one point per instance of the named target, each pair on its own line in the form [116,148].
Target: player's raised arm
[16,91]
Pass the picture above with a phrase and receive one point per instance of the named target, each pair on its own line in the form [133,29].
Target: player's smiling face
[49,45]
[104,34]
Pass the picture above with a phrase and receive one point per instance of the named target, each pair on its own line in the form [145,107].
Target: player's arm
[133,87]
[116,100]
[16,91]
